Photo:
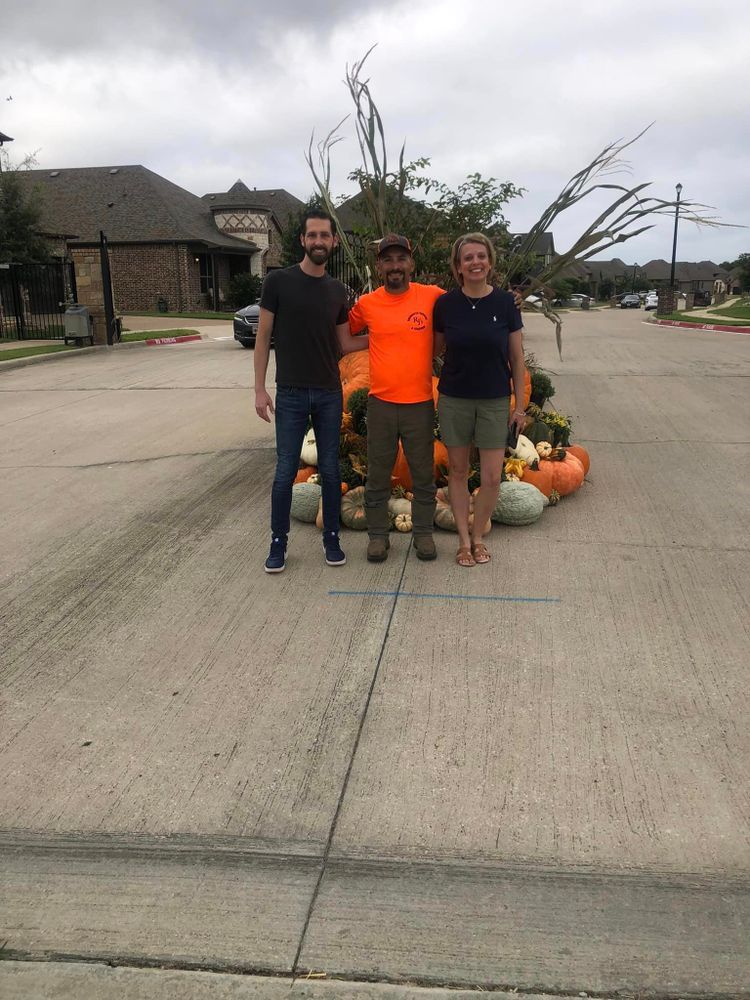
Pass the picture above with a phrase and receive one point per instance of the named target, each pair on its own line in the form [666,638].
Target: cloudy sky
[204,93]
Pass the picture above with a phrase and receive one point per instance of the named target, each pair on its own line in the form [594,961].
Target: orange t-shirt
[400,328]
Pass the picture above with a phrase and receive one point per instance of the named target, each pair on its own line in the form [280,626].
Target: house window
[204,270]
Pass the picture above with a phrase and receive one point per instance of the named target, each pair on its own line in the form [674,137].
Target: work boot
[424,546]
[377,548]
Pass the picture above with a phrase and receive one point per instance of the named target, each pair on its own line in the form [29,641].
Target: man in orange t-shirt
[400,406]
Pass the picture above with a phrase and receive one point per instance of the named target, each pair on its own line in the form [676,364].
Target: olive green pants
[412,424]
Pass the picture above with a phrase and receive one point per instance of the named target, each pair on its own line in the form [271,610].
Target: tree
[742,265]
[20,217]
[630,212]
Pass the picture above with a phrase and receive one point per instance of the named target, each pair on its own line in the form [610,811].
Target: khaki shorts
[483,422]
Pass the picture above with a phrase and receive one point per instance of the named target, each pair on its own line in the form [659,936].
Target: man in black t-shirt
[306,311]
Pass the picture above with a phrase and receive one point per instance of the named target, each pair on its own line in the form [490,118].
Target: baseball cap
[393,240]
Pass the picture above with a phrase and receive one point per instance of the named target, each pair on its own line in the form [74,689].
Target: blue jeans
[294,407]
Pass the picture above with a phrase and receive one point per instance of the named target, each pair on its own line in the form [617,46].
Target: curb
[172,340]
[710,327]
[34,359]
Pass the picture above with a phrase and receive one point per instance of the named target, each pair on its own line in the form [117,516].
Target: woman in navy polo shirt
[480,329]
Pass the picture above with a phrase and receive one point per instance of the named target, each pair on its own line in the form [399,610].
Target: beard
[318,255]
[395,277]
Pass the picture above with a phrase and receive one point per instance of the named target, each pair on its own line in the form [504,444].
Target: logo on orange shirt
[417,322]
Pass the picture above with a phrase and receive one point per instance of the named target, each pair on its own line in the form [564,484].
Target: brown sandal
[480,553]
[465,558]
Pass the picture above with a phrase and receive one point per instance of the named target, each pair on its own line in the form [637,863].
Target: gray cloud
[205,94]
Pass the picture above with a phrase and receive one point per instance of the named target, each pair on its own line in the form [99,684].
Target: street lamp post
[635,272]
[678,189]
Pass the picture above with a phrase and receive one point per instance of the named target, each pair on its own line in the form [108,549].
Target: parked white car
[652,301]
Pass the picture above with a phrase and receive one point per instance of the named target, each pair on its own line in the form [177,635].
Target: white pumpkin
[524,449]
[402,522]
[310,449]
[399,505]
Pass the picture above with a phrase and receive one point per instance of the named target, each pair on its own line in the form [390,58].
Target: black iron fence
[341,267]
[33,298]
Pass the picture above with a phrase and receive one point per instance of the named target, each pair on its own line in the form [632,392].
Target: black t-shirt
[477,364]
[306,312]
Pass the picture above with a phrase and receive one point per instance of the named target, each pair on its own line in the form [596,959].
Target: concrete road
[527,776]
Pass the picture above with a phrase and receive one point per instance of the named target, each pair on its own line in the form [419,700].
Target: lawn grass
[737,311]
[224,316]
[719,320]
[27,352]
[156,334]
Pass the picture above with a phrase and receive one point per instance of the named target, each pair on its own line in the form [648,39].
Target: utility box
[78,325]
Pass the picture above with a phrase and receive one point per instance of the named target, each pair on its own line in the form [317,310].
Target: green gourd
[305,500]
[518,503]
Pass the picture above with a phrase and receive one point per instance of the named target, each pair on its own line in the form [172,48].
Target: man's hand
[263,405]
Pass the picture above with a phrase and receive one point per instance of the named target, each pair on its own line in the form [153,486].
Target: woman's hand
[518,420]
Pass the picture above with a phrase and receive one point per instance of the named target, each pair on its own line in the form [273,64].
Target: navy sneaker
[276,562]
[334,553]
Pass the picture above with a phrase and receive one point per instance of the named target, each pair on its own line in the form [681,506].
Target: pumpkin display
[402,522]
[353,509]
[354,370]
[401,476]
[305,500]
[541,477]
[304,473]
[567,476]
[443,514]
[526,391]
[526,450]
[399,505]
[309,453]
[544,449]
[536,431]
[514,467]
[518,503]
[582,455]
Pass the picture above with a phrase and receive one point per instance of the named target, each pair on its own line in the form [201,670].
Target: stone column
[91,290]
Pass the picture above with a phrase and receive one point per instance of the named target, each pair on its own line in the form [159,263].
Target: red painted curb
[701,326]
[172,340]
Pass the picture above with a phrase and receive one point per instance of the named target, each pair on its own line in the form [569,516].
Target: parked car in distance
[245,325]
[652,300]
[579,298]
[631,301]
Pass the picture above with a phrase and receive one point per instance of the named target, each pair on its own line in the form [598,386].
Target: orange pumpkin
[401,476]
[354,370]
[439,458]
[526,392]
[567,476]
[304,473]
[344,488]
[541,477]
[582,455]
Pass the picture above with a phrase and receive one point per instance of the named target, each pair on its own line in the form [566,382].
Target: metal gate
[33,298]
[339,266]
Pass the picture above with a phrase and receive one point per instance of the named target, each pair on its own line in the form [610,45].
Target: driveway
[528,776]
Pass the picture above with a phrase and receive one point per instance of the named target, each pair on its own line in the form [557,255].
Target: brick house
[164,242]
[260,217]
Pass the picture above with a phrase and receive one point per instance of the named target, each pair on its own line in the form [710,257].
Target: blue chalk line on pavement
[445,597]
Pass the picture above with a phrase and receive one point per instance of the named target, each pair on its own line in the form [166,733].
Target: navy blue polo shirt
[476,331]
